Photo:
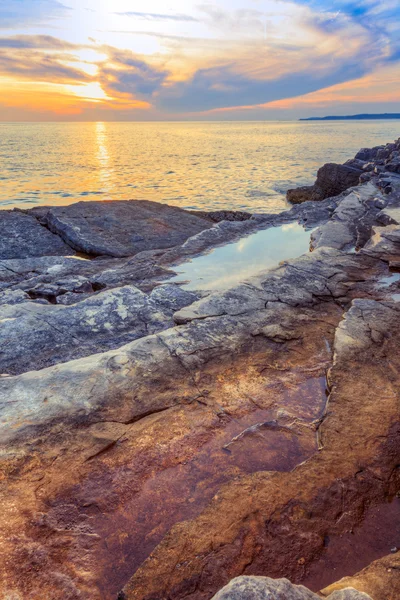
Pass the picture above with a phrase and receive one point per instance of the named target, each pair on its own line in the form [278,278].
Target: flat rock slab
[123,228]
[22,236]
[34,336]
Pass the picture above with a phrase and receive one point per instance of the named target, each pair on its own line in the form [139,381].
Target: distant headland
[354,117]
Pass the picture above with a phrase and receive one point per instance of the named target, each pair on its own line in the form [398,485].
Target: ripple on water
[225,159]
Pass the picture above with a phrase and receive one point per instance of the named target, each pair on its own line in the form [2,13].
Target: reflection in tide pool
[228,265]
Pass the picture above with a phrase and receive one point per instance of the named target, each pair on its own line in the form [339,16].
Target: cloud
[36,41]
[156,16]
[126,73]
[222,87]
[304,51]
[14,13]
[39,66]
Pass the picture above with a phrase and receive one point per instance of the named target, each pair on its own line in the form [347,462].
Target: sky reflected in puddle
[228,265]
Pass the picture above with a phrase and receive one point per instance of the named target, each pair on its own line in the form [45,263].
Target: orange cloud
[380,86]
[59,100]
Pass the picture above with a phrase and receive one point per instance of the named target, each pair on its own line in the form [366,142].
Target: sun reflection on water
[105,172]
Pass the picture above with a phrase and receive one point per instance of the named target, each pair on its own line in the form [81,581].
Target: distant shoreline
[362,117]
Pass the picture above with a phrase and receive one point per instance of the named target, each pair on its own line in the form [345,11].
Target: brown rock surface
[381,580]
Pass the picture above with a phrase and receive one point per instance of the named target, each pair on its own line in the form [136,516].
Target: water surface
[209,166]
[233,263]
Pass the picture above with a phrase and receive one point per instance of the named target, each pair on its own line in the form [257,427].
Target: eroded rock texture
[157,443]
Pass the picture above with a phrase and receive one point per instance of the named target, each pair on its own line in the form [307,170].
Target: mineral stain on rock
[276,439]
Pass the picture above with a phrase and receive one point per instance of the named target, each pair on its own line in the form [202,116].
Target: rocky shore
[159,443]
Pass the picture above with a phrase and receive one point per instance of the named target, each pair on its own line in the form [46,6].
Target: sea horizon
[196,165]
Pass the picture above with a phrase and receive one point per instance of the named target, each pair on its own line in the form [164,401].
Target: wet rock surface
[156,443]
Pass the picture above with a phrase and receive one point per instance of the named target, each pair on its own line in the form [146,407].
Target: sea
[195,165]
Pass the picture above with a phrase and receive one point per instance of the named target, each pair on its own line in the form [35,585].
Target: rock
[172,297]
[122,228]
[222,215]
[391,215]
[34,336]
[332,179]
[13,297]
[352,220]
[380,580]
[167,465]
[22,236]
[69,274]
[393,166]
[264,588]
[364,177]
[384,242]
[368,154]
[60,287]
[301,194]
[266,521]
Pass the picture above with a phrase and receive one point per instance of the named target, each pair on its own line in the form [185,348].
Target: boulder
[368,154]
[22,236]
[265,588]
[332,179]
[122,228]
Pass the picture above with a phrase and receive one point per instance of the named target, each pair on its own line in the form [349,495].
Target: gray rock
[222,215]
[60,287]
[351,221]
[13,297]
[122,228]
[385,242]
[332,179]
[393,166]
[365,323]
[34,336]
[65,273]
[265,588]
[368,153]
[392,214]
[172,297]
[21,236]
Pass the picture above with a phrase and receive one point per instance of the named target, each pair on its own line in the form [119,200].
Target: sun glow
[189,59]
[90,91]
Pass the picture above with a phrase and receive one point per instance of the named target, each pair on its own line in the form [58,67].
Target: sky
[107,60]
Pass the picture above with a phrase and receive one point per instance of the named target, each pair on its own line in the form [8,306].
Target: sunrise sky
[183,59]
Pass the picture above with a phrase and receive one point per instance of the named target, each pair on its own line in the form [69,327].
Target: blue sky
[253,59]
